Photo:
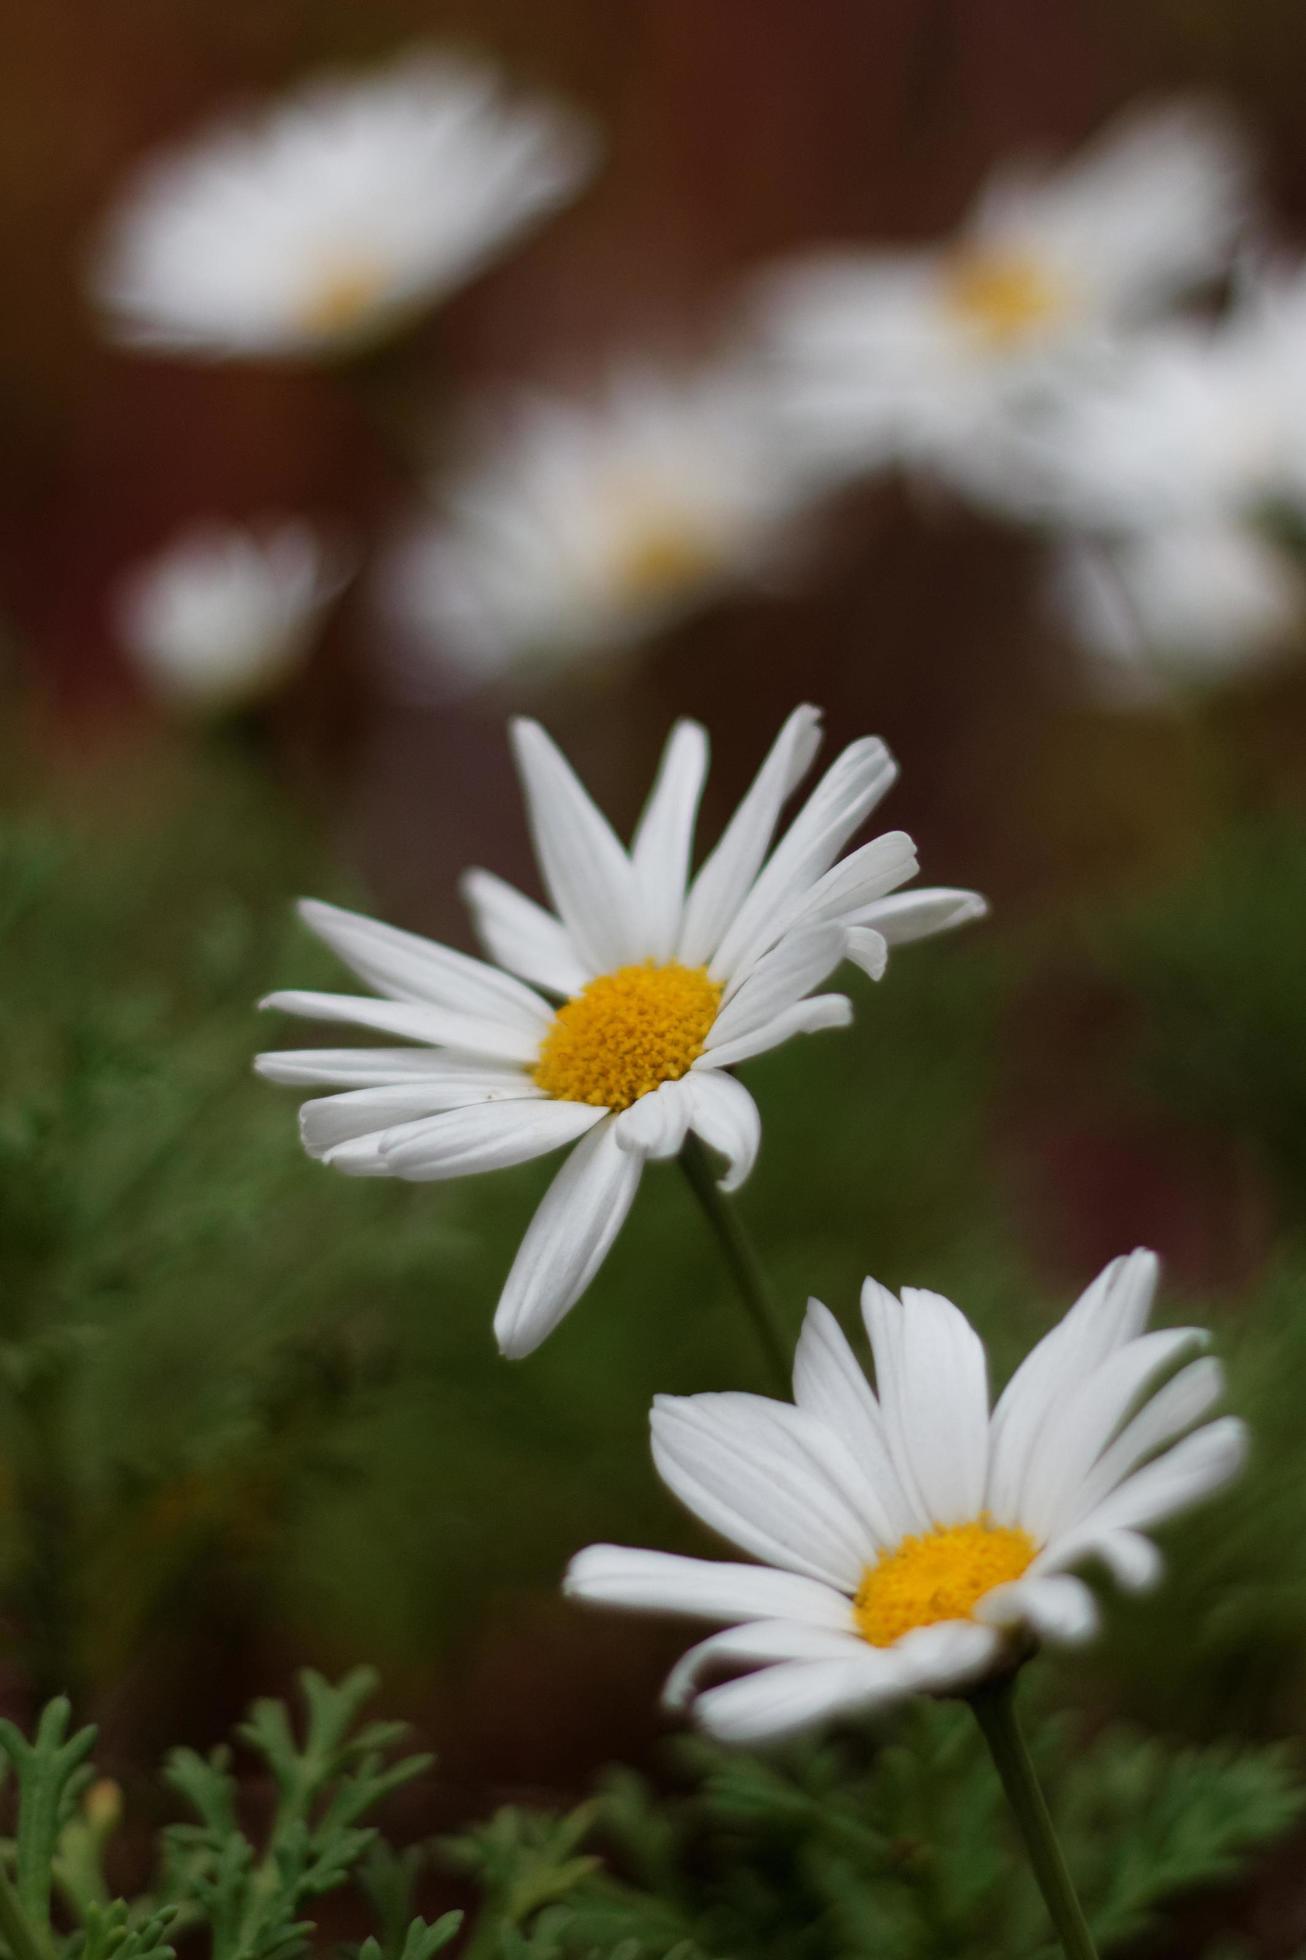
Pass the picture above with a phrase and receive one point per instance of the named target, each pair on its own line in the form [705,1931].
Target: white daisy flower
[225,615]
[590,524]
[1188,603]
[922,354]
[612,1022]
[909,1540]
[330,218]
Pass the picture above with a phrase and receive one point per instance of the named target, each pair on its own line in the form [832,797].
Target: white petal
[488,1136]
[795,1695]
[937,1659]
[330,1120]
[358,1068]
[767,1477]
[1132,1560]
[918,914]
[709,1589]
[1112,1310]
[665,836]
[801,961]
[1057,1607]
[760,1640]
[724,1115]
[1086,1418]
[521,935]
[655,1126]
[722,883]
[1175,1407]
[861,879]
[931,1374]
[867,949]
[1184,1476]
[849,790]
[496,1041]
[830,1384]
[408,968]
[804,1017]
[588,875]
[567,1240]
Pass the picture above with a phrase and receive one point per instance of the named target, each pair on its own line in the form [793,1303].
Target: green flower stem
[741,1257]
[995,1711]
[20,1936]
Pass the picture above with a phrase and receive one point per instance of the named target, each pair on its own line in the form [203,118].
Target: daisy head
[225,615]
[613,1019]
[915,354]
[590,523]
[907,1539]
[323,222]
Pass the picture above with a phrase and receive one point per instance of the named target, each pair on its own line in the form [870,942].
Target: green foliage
[897,1853]
[243,1895]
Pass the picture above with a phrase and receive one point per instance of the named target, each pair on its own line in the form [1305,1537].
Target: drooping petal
[567,1240]
[487,1136]
[709,1589]
[664,838]
[1056,1607]
[867,949]
[931,1373]
[792,1696]
[804,1017]
[758,1640]
[588,875]
[724,1115]
[767,1477]
[521,935]
[831,1385]
[721,885]
[655,1126]
[919,914]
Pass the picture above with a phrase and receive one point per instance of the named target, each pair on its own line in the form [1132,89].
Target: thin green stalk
[741,1258]
[995,1711]
[20,1936]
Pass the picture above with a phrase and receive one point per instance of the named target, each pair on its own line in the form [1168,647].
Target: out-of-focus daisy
[917,354]
[1183,604]
[590,523]
[613,1022]
[327,219]
[909,1540]
[225,615]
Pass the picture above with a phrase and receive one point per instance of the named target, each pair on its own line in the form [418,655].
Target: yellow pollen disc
[662,557]
[627,1033]
[940,1575]
[1003,295]
[342,296]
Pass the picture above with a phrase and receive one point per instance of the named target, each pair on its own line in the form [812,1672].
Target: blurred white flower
[918,355]
[612,1024]
[593,522]
[225,615]
[328,218]
[1188,603]
[909,1540]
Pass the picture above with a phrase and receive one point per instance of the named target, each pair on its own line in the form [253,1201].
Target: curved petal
[1175,1407]
[487,1136]
[1132,1560]
[329,1120]
[664,837]
[932,1377]
[724,1115]
[723,882]
[792,1696]
[567,1240]
[767,1477]
[709,1589]
[654,1127]
[867,949]
[758,1641]
[1055,1607]
[521,935]
[588,875]
[920,914]
[830,1384]
[405,967]
[800,961]
[1201,1464]
[951,1654]
[804,1017]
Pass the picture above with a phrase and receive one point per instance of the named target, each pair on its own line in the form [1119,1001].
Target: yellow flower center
[1003,296]
[627,1033]
[342,295]
[940,1575]
[660,555]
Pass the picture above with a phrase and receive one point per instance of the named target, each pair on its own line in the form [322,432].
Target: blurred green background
[252,1413]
